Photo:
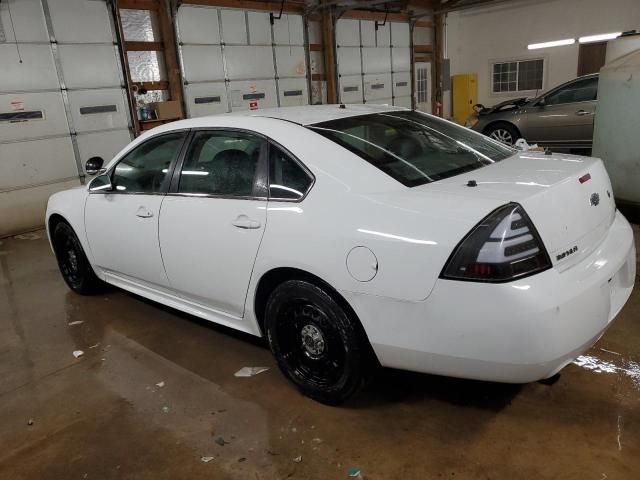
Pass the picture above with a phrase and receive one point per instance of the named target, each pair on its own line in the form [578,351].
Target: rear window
[412,147]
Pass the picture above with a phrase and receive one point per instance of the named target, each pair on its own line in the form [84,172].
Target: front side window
[221,163]
[145,169]
[287,179]
[585,90]
[412,147]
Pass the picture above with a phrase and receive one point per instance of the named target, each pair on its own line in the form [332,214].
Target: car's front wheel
[318,346]
[72,261]
[503,132]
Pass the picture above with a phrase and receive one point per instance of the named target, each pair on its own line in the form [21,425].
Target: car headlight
[471,121]
[502,247]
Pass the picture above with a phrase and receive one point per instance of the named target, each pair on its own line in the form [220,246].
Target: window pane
[579,91]
[145,169]
[286,178]
[221,163]
[530,75]
[411,147]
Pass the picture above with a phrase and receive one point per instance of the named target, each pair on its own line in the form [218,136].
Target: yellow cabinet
[465,96]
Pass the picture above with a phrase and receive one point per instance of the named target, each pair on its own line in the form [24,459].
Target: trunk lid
[568,198]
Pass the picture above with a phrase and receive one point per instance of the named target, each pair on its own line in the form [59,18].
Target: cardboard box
[167,110]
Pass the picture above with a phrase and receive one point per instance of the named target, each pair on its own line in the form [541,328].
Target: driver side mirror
[541,103]
[93,165]
[100,183]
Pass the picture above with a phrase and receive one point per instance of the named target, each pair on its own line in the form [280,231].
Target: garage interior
[153,393]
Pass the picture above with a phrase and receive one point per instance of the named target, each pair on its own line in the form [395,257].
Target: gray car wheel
[502,132]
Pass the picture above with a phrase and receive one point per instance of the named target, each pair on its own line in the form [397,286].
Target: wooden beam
[369,15]
[436,66]
[139,4]
[423,48]
[161,85]
[424,24]
[315,47]
[133,108]
[170,55]
[143,46]
[249,5]
[318,77]
[329,42]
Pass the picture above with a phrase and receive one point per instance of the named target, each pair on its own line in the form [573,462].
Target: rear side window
[287,179]
[585,90]
[413,148]
[221,163]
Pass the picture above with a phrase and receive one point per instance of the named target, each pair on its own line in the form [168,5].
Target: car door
[565,116]
[122,222]
[213,219]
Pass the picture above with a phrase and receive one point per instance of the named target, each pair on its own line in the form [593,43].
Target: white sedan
[352,236]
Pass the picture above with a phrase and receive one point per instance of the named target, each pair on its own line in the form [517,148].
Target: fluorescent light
[599,38]
[555,43]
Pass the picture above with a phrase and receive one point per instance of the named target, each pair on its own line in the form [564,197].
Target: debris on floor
[77,322]
[242,459]
[30,422]
[354,473]
[78,353]
[160,384]
[165,409]
[298,459]
[221,441]
[250,371]
[206,459]
[95,346]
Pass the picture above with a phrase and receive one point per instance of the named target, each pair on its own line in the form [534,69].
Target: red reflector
[584,178]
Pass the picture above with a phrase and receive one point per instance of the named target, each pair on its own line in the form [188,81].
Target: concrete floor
[101,416]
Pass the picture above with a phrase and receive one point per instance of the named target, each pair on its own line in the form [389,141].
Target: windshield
[412,147]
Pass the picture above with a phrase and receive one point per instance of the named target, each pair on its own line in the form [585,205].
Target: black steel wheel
[316,343]
[72,261]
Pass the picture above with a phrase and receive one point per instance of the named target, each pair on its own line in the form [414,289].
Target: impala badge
[594,200]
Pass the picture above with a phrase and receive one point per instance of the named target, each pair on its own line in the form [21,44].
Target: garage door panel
[351,89]
[49,103]
[79,21]
[35,162]
[206,99]
[348,33]
[293,92]
[234,26]
[288,30]
[290,61]
[249,62]
[372,37]
[245,93]
[98,109]
[104,71]
[402,84]
[377,87]
[376,60]
[102,144]
[27,19]
[198,25]
[259,28]
[401,60]
[349,60]
[400,34]
[36,72]
[202,63]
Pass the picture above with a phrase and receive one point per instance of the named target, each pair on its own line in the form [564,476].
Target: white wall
[477,37]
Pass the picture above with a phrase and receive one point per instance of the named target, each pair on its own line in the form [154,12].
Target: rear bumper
[516,332]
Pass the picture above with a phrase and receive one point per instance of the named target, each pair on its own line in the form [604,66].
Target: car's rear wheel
[502,132]
[72,261]
[316,343]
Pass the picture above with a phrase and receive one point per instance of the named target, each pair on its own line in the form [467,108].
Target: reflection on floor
[153,395]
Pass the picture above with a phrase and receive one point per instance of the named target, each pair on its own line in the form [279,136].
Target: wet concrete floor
[102,416]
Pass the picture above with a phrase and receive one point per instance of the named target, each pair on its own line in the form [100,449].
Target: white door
[423,86]
[122,224]
[212,221]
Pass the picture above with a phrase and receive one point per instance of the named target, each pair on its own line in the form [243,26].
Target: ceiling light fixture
[599,38]
[555,43]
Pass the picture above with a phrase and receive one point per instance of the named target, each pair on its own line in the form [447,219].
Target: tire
[72,261]
[503,132]
[317,345]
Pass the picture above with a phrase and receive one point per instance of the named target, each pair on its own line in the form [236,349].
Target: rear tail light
[503,247]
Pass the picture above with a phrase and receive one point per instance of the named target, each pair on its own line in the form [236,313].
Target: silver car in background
[561,119]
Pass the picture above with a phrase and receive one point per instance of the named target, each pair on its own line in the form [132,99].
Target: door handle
[582,113]
[245,222]
[144,213]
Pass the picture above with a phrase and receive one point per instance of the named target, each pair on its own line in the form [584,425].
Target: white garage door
[237,60]
[374,64]
[61,101]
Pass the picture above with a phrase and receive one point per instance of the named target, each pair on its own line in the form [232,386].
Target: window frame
[302,166]
[110,171]
[517,61]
